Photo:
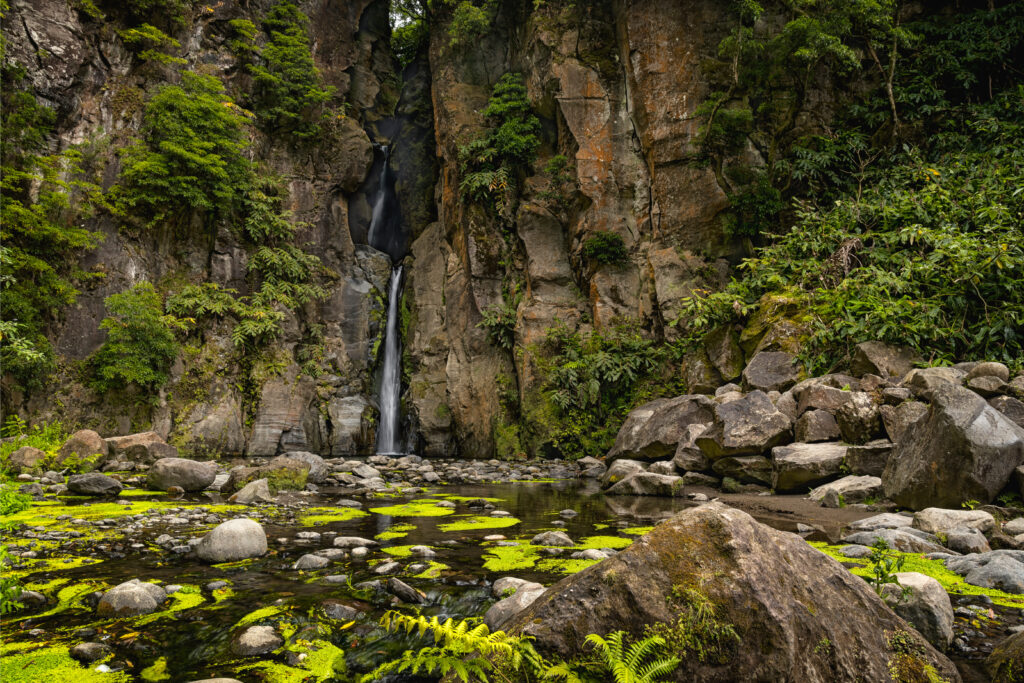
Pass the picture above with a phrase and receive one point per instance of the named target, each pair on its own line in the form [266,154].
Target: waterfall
[391,377]
[386,234]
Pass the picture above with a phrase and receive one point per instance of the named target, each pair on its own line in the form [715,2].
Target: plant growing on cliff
[150,43]
[289,94]
[470,21]
[492,163]
[698,632]
[604,247]
[499,321]
[141,342]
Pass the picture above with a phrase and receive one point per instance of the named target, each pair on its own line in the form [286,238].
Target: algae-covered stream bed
[328,617]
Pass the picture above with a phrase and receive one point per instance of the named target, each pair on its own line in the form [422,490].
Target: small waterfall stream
[385,234]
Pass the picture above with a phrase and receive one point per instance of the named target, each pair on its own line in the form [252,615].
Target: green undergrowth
[70,597]
[478,523]
[32,663]
[416,508]
[915,562]
[598,542]
[511,558]
[316,516]
[40,565]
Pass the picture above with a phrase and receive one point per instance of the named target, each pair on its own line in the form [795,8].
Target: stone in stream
[620,469]
[653,430]
[282,473]
[89,652]
[648,484]
[405,592]
[387,568]
[346,503]
[256,640]
[778,593]
[1004,664]
[748,426]
[311,562]
[423,551]
[940,521]
[525,594]
[508,585]
[190,475]
[335,609]
[926,606]
[886,520]
[254,492]
[850,489]
[553,538]
[353,542]
[94,484]
[131,598]
[237,539]
[902,539]
[318,469]
[143,448]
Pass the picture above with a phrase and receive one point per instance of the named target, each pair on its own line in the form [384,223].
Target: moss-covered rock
[282,473]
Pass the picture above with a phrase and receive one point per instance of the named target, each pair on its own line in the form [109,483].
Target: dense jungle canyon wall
[569,175]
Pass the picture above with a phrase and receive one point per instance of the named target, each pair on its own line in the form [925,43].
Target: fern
[627,664]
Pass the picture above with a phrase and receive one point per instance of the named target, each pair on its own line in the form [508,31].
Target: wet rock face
[780,595]
[961,449]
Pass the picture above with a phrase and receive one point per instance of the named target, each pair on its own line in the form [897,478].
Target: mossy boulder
[797,614]
[1006,663]
[282,473]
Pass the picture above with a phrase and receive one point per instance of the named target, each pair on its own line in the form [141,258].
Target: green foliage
[171,11]
[628,665]
[409,40]
[10,589]
[11,501]
[464,649]
[697,632]
[561,182]
[499,321]
[755,209]
[885,564]
[242,40]
[46,436]
[492,163]
[470,21]
[604,247]
[44,199]
[140,345]
[190,158]
[150,42]
[289,94]
[907,663]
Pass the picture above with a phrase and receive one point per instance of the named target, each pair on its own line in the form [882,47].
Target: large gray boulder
[94,484]
[85,444]
[746,469]
[815,426]
[1004,664]
[780,595]
[879,358]
[648,484]
[144,448]
[1010,407]
[27,459]
[237,539]
[689,457]
[503,610]
[800,466]
[962,449]
[282,473]
[747,426]
[940,521]
[849,489]
[191,475]
[903,539]
[254,492]
[771,371]
[318,470]
[131,598]
[923,381]
[620,469]
[858,418]
[926,606]
[654,430]
[896,419]
[869,459]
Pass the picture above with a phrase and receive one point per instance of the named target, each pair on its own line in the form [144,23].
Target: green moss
[466,499]
[323,662]
[432,572]
[477,523]
[637,530]
[157,671]
[262,614]
[416,508]
[599,527]
[597,542]
[51,564]
[131,493]
[564,565]
[187,598]
[395,531]
[70,597]
[222,594]
[317,516]
[50,664]
[510,558]
[399,550]
[916,562]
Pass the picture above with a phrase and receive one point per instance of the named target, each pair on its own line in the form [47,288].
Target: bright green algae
[323,515]
[416,508]
[478,523]
[30,663]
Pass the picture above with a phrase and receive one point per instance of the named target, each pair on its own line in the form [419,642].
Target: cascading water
[386,234]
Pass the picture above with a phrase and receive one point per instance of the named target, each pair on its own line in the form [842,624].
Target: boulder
[879,358]
[620,469]
[822,397]
[771,371]
[648,484]
[923,381]
[962,449]
[508,585]
[816,425]
[555,538]
[89,652]
[145,448]
[926,606]
[850,489]
[886,520]
[591,468]
[988,387]
[190,475]
[27,459]
[745,469]
[653,431]
[689,457]
[1002,572]
[131,598]
[1010,407]
[869,459]
[780,595]
[966,541]
[254,492]
[663,467]
[897,419]
[903,539]
[256,640]
[724,352]
[237,539]
[801,466]
[503,610]
[1014,527]
[309,561]
[404,592]
[1004,664]
[318,470]
[748,426]
[354,542]
[940,521]
[858,418]
[84,444]
[989,369]
[282,473]
[94,484]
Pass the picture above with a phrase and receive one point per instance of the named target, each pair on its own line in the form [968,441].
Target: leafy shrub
[492,163]
[559,180]
[698,632]
[409,40]
[885,564]
[190,157]
[149,42]
[10,589]
[11,501]
[140,345]
[289,94]
[470,21]
[604,247]
[499,321]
